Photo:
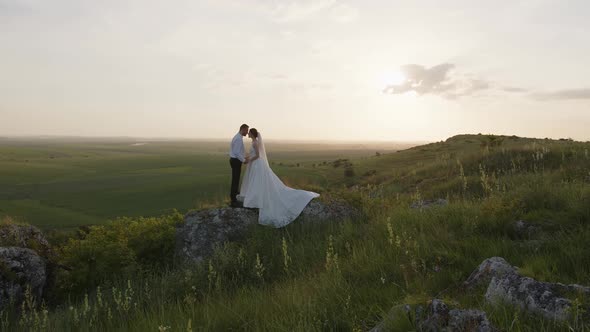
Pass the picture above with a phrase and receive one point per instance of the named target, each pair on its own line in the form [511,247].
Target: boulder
[551,300]
[20,268]
[489,268]
[203,230]
[440,318]
[505,285]
[24,236]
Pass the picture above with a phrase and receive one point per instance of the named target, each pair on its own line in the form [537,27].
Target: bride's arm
[255,146]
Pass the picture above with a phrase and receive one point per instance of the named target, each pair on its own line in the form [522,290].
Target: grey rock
[506,285]
[440,318]
[19,268]
[437,317]
[202,231]
[547,299]
[24,236]
[335,210]
[425,204]
[489,268]
[469,320]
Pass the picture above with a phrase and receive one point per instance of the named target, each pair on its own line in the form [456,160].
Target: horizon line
[172,138]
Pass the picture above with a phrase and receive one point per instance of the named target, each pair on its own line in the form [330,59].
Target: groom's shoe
[236,204]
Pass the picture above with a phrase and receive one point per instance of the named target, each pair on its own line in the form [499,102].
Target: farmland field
[65,183]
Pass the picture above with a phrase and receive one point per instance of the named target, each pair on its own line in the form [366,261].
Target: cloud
[566,94]
[441,80]
[283,11]
[344,13]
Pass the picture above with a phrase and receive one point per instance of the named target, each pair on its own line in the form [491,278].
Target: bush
[119,249]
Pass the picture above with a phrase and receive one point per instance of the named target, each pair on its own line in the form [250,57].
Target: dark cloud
[444,81]
[566,94]
[438,80]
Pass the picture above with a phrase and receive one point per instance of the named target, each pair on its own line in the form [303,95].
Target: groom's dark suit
[237,157]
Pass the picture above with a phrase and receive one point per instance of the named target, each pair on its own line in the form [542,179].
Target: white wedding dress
[278,204]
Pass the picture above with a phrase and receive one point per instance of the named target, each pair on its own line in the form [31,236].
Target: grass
[348,274]
[62,184]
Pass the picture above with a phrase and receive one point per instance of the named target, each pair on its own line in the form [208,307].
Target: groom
[237,157]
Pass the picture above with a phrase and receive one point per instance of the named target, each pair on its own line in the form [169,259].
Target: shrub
[118,249]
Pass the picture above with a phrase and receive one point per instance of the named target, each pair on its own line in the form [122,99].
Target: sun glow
[394,77]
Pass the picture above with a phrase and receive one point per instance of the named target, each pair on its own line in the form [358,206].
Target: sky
[371,70]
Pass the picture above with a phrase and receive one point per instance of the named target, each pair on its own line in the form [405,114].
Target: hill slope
[346,275]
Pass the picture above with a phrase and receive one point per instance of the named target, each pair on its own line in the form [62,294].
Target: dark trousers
[236,170]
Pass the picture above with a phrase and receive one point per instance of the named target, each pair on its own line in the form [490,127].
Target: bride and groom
[277,204]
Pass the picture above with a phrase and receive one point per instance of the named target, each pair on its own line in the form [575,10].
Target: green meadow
[66,183]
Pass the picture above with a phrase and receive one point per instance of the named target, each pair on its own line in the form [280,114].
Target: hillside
[431,215]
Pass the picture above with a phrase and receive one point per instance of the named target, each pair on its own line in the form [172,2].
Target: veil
[262,149]
[261,188]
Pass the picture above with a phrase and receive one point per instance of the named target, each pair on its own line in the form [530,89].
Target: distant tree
[377,154]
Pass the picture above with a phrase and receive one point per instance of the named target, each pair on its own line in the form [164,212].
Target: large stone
[506,286]
[440,318]
[335,210]
[551,300]
[203,230]
[20,268]
[489,268]
[24,236]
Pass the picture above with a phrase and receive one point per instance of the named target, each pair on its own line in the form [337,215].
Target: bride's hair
[254,132]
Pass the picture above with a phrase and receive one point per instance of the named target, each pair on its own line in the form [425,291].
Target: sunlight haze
[317,70]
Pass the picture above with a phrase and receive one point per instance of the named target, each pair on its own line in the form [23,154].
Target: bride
[278,204]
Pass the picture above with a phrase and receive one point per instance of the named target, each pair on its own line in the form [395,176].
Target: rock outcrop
[203,230]
[503,285]
[438,317]
[551,300]
[492,267]
[20,268]
[506,285]
[24,236]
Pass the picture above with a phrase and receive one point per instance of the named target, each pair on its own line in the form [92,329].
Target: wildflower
[259,267]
